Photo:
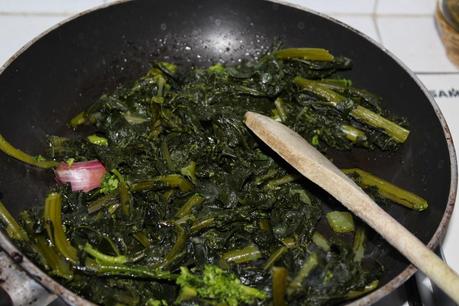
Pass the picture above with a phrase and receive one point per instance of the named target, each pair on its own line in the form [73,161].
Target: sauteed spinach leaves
[189,207]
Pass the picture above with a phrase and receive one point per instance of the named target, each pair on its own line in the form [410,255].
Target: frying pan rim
[74,299]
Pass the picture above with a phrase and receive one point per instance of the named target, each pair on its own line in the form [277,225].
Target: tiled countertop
[404,27]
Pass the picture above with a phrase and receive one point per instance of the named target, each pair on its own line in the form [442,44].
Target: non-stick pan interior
[71,66]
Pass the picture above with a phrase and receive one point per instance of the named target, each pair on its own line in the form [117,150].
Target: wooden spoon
[316,167]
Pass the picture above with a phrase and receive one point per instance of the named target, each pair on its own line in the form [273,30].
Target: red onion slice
[82,176]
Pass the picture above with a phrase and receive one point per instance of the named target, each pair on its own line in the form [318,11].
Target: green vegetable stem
[53,222]
[36,161]
[387,190]
[360,113]
[314,54]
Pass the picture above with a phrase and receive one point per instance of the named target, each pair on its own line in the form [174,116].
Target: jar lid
[450,10]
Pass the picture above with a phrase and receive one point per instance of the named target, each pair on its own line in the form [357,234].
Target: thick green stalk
[275,256]
[289,242]
[279,285]
[358,246]
[101,202]
[113,208]
[249,91]
[193,201]
[313,54]
[392,129]
[142,238]
[38,161]
[279,103]
[337,83]
[112,245]
[329,95]
[98,140]
[352,294]
[53,219]
[238,256]
[308,266]
[49,255]
[274,184]
[360,113]
[48,224]
[167,195]
[321,241]
[133,272]
[125,196]
[102,258]
[340,221]
[167,156]
[57,264]
[14,230]
[177,248]
[163,181]
[269,175]
[353,134]
[201,224]
[388,190]
[78,120]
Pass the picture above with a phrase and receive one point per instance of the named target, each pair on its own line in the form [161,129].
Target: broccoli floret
[217,286]
[109,183]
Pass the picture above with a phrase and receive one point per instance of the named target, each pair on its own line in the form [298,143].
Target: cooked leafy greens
[190,207]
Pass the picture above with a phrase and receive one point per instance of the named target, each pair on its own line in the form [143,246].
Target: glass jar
[447,19]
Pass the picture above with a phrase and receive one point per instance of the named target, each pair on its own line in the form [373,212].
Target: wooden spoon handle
[316,167]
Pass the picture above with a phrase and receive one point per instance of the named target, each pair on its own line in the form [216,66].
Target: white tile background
[48,7]
[405,27]
[365,23]
[405,7]
[15,31]
[415,41]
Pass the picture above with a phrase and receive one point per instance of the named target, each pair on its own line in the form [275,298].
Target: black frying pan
[68,68]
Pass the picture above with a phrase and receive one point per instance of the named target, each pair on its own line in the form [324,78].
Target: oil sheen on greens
[194,209]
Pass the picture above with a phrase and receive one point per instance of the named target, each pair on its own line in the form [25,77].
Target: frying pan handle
[21,288]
